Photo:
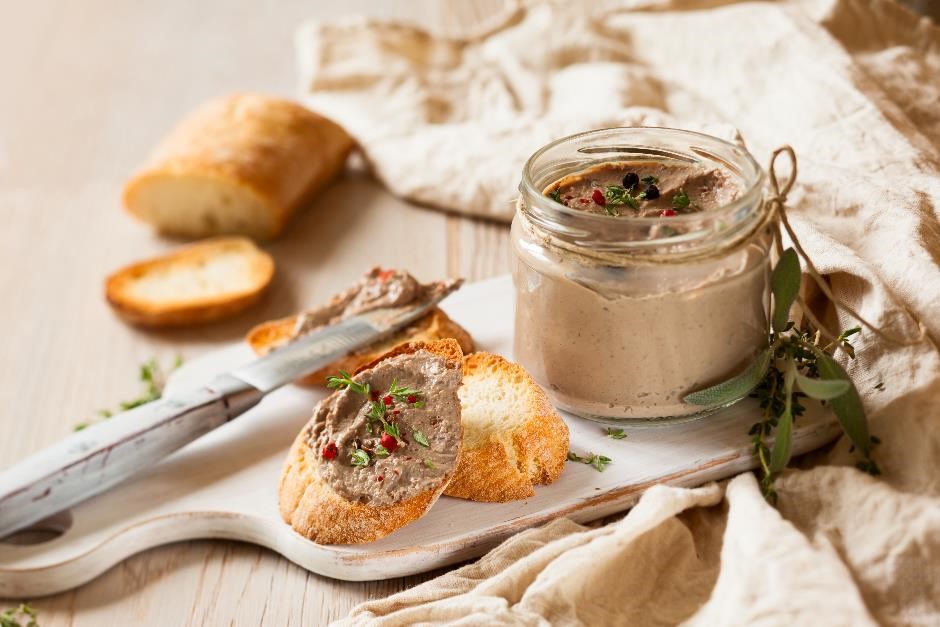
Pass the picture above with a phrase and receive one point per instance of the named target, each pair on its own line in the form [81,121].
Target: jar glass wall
[619,317]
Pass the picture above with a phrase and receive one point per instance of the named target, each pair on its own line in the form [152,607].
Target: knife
[101,456]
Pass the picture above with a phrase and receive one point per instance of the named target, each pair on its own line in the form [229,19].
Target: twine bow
[778,216]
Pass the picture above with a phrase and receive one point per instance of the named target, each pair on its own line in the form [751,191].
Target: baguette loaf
[513,437]
[347,479]
[239,165]
[205,281]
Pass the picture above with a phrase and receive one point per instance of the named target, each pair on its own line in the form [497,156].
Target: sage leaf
[822,389]
[780,455]
[848,407]
[785,284]
[734,388]
[783,438]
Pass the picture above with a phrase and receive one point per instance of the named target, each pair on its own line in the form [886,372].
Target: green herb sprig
[402,393]
[345,382]
[393,430]
[555,195]
[681,200]
[377,411]
[795,365]
[359,457]
[618,195]
[15,616]
[598,462]
[153,377]
[616,434]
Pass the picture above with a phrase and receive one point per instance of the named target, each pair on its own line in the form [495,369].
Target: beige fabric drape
[854,87]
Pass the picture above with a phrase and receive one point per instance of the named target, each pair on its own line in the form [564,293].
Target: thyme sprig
[14,616]
[345,381]
[359,457]
[598,462]
[681,200]
[405,394]
[795,365]
[377,413]
[153,377]
[619,195]
[615,433]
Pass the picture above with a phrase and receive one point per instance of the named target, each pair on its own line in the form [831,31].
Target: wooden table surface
[88,86]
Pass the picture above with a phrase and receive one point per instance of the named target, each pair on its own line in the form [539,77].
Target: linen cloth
[854,87]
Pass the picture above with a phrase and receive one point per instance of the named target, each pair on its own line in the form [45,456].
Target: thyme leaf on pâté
[345,381]
[681,200]
[404,394]
[619,195]
[359,458]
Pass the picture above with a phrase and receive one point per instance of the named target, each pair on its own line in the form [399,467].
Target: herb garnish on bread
[513,437]
[372,289]
[379,450]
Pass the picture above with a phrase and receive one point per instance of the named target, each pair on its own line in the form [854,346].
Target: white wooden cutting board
[225,485]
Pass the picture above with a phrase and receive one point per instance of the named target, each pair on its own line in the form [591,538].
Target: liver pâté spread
[377,288]
[391,432]
[629,339]
[644,189]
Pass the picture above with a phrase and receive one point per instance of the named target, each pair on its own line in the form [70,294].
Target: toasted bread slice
[434,326]
[513,437]
[317,509]
[209,280]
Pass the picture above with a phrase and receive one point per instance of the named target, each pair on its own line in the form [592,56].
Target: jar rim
[727,219]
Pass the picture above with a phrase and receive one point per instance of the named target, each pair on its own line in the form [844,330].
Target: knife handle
[95,459]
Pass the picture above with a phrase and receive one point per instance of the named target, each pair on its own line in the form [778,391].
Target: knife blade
[106,453]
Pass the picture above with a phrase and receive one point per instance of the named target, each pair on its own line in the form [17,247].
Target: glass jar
[618,318]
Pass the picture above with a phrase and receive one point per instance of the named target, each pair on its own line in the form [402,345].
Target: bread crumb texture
[199,283]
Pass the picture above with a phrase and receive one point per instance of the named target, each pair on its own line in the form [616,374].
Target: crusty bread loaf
[513,437]
[434,326]
[206,281]
[315,510]
[239,165]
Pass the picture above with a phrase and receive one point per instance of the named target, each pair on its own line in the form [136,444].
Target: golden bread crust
[505,467]
[171,312]
[275,150]
[319,513]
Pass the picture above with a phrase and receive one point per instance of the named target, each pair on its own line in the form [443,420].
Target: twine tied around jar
[777,214]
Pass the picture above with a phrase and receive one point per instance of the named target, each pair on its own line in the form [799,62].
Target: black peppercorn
[631,180]
[652,192]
